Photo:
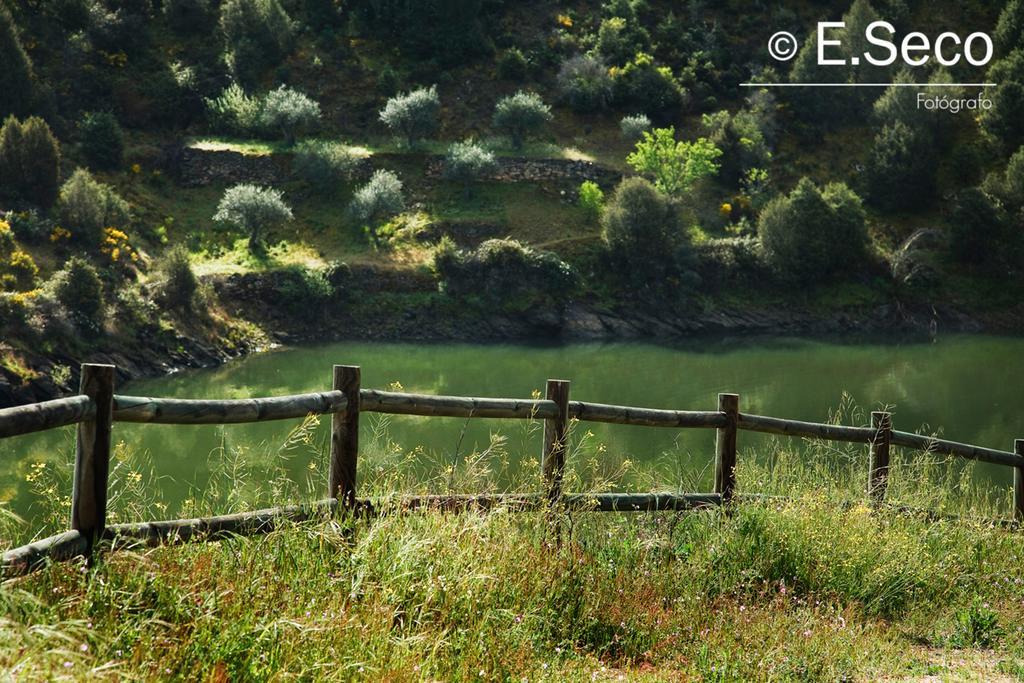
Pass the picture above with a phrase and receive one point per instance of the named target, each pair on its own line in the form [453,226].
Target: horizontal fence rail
[96,408]
[202,411]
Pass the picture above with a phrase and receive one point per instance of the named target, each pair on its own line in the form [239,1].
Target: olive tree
[412,114]
[378,200]
[290,112]
[467,162]
[86,207]
[520,116]
[252,209]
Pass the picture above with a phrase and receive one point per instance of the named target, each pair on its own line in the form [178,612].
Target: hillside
[907,219]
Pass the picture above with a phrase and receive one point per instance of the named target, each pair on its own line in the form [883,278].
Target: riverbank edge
[411,310]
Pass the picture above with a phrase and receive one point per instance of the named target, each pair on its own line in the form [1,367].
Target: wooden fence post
[92,454]
[345,437]
[878,456]
[725,446]
[555,437]
[1018,483]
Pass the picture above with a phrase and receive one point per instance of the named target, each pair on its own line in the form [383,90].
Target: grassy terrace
[817,588]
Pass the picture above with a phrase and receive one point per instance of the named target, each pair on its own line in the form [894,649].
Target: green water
[966,386]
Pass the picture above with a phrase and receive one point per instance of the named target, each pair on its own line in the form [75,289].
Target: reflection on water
[962,385]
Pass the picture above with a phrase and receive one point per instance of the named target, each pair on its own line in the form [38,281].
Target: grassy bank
[816,588]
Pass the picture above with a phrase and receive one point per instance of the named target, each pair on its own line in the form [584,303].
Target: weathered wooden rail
[96,408]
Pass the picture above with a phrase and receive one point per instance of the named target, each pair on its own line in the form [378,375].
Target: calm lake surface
[969,387]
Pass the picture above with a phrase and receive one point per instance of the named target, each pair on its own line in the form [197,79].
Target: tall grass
[815,586]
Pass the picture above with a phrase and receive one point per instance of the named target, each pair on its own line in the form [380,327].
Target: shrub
[413,114]
[258,35]
[468,162]
[642,231]
[175,282]
[620,38]
[377,200]
[741,141]
[77,286]
[188,16]
[324,165]
[675,166]
[584,84]
[29,161]
[16,78]
[814,234]
[18,270]
[512,65]
[235,112]
[980,231]
[290,112]
[387,81]
[252,209]
[645,87]
[634,126]
[503,272]
[901,168]
[102,140]
[29,226]
[85,207]
[445,31]
[591,198]
[520,116]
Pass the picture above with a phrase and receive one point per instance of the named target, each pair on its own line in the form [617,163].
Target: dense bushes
[814,234]
[643,86]
[505,271]
[979,231]
[584,84]
[29,161]
[252,209]
[512,65]
[175,283]
[446,31]
[289,112]
[85,207]
[468,162]
[520,116]
[258,34]
[1002,120]
[188,16]
[102,141]
[324,165]
[1009,33]
[77,286]
[413,114]
[742,141]
[620,38]
[642,231]
[16,79]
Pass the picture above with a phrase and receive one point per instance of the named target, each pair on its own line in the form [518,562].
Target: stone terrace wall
[199,167]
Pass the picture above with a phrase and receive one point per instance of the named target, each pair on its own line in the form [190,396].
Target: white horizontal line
[866,85]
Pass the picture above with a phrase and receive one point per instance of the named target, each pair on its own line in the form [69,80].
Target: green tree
[641,229]
[675,166]
[86,207]
[1010,28]
[175,280]
[252,209]
[584,84]
[468,162]
[520,116]
[1002,120]
[102,140]
[16,78]
[981,233]
[413,114]
[290,112]
[257,33]
[901,168]
[29,161]
[77,286]
[813,235]
[378,200]
[644,86]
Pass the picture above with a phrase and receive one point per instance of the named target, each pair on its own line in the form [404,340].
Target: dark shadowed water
[969,387]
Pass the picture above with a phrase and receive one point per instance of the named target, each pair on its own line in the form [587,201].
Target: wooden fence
[97,407]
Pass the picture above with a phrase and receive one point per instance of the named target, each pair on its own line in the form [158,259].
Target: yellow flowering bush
[59,235]
[117,248]
[564,21]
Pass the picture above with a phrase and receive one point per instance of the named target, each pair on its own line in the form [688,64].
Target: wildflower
[725,209]
[136,169]
[564,21]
